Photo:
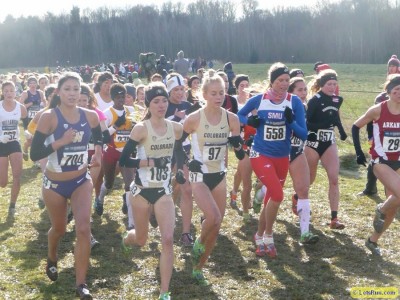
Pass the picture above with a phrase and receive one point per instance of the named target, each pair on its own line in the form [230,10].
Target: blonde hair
[211,76]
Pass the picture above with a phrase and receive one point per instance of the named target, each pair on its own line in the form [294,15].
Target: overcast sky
[17,8]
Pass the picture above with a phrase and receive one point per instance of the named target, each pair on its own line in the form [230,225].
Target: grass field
[326,270]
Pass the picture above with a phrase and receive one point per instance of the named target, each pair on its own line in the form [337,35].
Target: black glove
[161,162]
[254,121]
[180,177]
[288,113]
[121,120]
[239,153]
[361,160]
[249,141]
[195,166]
[193,108]
[343,135]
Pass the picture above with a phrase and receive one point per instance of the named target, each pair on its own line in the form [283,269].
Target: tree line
[348,31]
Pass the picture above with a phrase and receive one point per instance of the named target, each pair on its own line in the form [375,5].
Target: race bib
[274,133]
[391,142]
[195,177]
[254,154]
[158,174]
[295,141]
[12,134]
[73,158]
[214,152]
[325,135]
[312,144]
[122,136]
[32,113]
[46,182]
[135,190]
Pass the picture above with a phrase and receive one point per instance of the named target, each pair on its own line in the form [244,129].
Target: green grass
[326,270]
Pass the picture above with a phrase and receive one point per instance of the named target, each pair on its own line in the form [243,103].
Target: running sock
[268,239]
[259,239]
[103,193]
[333,214]
[303,210]
[130,211]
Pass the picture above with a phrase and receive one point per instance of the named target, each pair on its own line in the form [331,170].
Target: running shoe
[260,246]
[197,252]
[82,292]
[199,278]
[124,204]
[295,199]
[98,206]
[186,240]
[25,156]
[336,224]
[233,198]
[373,247]
[51,270]
[270,250]
[379,219]
[367,193]
[40,203]
[308,238]
[165,296]
[93,242]
[125,248]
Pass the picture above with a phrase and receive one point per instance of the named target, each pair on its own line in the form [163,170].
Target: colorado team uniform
[386,138]
[152,182]
[209,147]
[9,126]
[320,110]
[269,155]
[71,157]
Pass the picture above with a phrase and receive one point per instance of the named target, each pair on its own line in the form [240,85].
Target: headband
[278,72]
[394,82]
[324,79]
[154,92]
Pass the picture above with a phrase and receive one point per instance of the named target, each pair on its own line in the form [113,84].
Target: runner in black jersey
[322,117]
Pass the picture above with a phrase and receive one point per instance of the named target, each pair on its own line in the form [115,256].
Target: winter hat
[130,90]
[174,80]
[117,89]
[323,67]
[153,90]
[394,61]
[296,73]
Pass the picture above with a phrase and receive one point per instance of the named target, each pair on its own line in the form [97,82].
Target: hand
[361,160]
[239,153]
[68,136]
[195,166]
[343,135]
[249,141]
[288,113]
[4,139]
[121,120]
[254,121]
[95,161]
[27,134]
[161,162]
[180,177]
[180,114]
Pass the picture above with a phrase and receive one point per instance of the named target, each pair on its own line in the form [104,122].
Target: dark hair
[49,90]
[292,83]
[239,78]
[191,79]
[104,76]
[85,89]
[56,100]
[392,81]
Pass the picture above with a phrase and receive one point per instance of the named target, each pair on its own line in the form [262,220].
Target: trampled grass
[327,270]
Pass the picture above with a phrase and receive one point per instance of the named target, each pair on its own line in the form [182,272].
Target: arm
[138,133]
[299,123]
[250,105]
[312,125]
[235,139]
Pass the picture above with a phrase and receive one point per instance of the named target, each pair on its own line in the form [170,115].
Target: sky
[25,8]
